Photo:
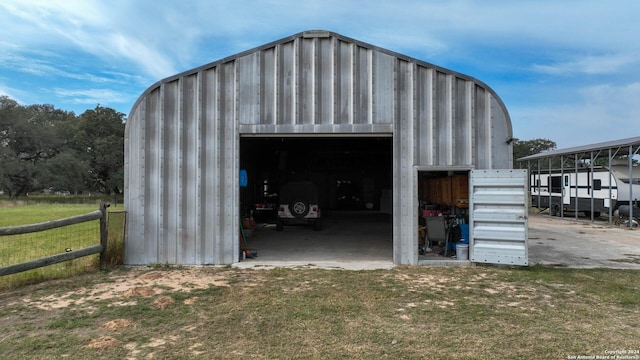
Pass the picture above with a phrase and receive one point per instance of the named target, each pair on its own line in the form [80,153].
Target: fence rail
[66,256]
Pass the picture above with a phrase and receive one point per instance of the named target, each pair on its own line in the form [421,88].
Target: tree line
[522,148]
[44,149]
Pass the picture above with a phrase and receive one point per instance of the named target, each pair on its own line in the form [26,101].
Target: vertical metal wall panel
[170,205]
[501,135]
[404,180]
[190,174]
[286,83]
[182,145]
[134,179]
[362,86]
[248,70]
[462,140]
[153,184]
[383,99]
[442,129]
[425,116]
[482,133]
[228,248]
[210,161]
[325,82]
[306,82]
[344,73]
[268,90]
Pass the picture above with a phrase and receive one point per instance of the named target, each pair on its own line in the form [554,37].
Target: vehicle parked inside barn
[299,205]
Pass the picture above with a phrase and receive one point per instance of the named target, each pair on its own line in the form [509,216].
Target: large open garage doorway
[317,198]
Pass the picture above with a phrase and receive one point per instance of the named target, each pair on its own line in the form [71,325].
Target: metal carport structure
[571,159]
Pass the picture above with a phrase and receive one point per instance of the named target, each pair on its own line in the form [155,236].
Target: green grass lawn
[20,213]
[15,249]
[479,312]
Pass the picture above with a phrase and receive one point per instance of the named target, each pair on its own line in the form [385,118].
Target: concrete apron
[356,242]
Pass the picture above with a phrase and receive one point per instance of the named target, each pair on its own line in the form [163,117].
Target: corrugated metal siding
[182,145]
[498,216]
[404,183]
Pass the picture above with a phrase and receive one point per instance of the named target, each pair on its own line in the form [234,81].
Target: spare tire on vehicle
[299,208]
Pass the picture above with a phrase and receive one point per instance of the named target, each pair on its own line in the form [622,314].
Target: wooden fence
[66,256]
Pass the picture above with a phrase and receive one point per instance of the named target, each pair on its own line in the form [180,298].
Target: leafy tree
[29,137]
[9,110]
[42,147]
[522,148]
[67,171]
[99,140]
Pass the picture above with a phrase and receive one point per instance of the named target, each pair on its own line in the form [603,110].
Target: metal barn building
[324,97]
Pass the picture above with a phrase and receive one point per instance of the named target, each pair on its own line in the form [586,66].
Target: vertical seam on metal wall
[471,111]
[412,248]
[488,133]
[351,83]
[259,79]
[430,139]
[450,116]
[161,242]
[276,84]
[217,177]
[199,240]
[334,79]
[295,91]
[314,72]
[370,86]
[179,243]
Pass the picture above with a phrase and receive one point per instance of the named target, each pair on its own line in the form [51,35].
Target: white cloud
[161,37]
[91,96]
[590,65]
[150,60]
[91,27]
[619,101]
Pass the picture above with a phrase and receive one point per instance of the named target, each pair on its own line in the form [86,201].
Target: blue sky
[568,70]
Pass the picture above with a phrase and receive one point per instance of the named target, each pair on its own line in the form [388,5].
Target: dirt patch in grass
[135,283]
[162,302]
[117,324]
[103,342]
[139,291]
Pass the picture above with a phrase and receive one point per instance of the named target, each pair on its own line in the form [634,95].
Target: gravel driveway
[582,244]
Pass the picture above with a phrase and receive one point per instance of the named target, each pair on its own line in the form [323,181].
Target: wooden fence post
[104,235]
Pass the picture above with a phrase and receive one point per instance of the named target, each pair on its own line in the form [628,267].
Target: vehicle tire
[299,209]
[554,210]
[279,225]
[317,226]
